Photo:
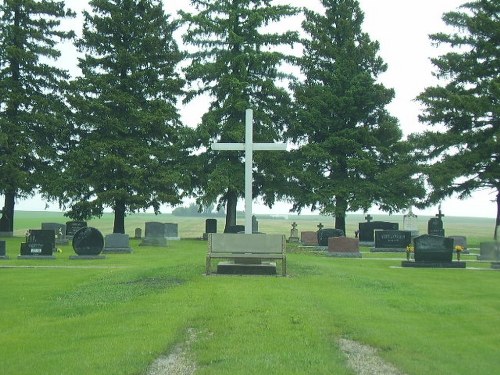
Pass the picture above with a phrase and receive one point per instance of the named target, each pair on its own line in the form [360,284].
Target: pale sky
[402,28]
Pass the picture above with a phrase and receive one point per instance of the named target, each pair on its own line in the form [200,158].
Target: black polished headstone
[88,241]
[392,240]
[74,226]
[429,248]
[3,250]
[211,226]
[235,229]
[435,227]
[39,242]
[366,230]
[325,233]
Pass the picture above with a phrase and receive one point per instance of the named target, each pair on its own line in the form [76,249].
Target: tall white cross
[249,147]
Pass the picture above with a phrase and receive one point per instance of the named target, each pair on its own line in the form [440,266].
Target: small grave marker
[117,243]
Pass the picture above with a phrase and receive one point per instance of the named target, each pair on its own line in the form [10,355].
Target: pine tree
[238,63]
[466,156]
[127,151]
[32,110]
[350,153]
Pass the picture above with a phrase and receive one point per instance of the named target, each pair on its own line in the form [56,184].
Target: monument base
[118,250]
[45,257]
[4,257]
[154,241]
[231,268]
[495,265]
[366,243]
[6,234]
[344,254]
[173,238]
[409,263]
[387,250]
[293,240]
[86,257]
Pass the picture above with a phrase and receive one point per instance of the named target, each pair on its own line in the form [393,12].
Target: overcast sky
[402,29]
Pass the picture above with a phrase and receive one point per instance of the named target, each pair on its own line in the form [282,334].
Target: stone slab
[231,268]
[495,265]
[345,254]
[86,257]
[4,257]
[37,257]
[386,250]
[409,263]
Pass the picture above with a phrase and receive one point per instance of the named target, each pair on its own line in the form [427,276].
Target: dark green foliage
[238,63]
[463,149]
[32,111]
[350,153]
[127,150]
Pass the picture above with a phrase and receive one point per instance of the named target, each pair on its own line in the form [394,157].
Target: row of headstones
[211,227]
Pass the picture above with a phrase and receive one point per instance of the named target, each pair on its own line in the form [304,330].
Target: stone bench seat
[246,246]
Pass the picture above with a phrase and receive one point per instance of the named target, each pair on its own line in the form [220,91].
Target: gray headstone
[155,234]
[460,241]
[429,248]
[117,243]
[59,231]
[74,226]
[489,251]
[138,233]
[172,231]
[366,230]
[391,240]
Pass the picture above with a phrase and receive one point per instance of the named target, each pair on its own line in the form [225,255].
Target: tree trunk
[119,224]
[7,219]
[231,202]
[340,210]
[497,222]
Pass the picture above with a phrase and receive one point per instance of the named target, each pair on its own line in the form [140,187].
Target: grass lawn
[115,316]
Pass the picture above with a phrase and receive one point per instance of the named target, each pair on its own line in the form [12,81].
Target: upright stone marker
[88,243]
[117,243]
[154,234]
[39,244]
[210,227]
[74,226]
[433,252]
[3,250]
[172,231]
[249,147]
[59,231]
[391,240]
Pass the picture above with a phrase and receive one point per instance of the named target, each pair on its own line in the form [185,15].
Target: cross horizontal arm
[255,146]
[269,146]
[228,146]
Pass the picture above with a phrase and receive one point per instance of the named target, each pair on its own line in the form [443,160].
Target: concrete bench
[246,247]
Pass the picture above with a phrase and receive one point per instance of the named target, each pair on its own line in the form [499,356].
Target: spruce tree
[350,153]
[127,151]
[238,63]
[465,157]
[32,110]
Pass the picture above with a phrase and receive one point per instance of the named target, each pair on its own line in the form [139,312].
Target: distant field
[476,229]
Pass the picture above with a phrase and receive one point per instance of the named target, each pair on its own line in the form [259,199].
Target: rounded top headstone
[88,241]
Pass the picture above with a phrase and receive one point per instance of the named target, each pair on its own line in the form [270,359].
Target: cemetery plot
[433,252]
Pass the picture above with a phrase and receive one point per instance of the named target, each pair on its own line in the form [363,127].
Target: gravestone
[137,233]
[433,252]
[460,241]
[117,243]
[3,250]
[391,240]
[39,244]
[255,224]
[489,251]
[88,243]
[325,233]
[344,247]
[210,227]
[172,231]
[155,234]
[59,231]
[235,229]
[435,224]
[309,238]
[74,226]
[367,230]
[410,223]
[294,233]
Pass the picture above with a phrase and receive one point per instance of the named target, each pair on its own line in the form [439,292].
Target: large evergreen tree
[127,147]
[237,62]
[32,112]
[465,157]
[350,153]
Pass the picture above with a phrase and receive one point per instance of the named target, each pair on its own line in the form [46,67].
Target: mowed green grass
[115,316]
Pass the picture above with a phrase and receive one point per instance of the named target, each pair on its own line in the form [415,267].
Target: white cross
[249,147]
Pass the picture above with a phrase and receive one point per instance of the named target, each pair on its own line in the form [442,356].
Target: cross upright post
[249,147]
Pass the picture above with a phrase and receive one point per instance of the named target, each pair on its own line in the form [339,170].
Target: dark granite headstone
[117,243]
[3,250]
[138,233]
[429,248]
[235,229]
[74,226]
[59,231]
[210,227]
[366,230]
[155,234]
[391,240]
[39,243]
[435,227]
[88,242]
[326,233]
[255,224]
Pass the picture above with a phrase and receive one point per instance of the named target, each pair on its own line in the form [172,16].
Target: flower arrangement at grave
[459,250]
[409,250]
